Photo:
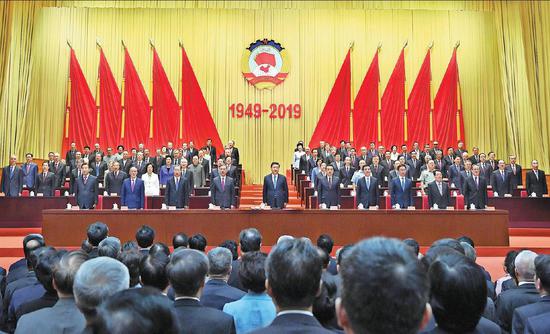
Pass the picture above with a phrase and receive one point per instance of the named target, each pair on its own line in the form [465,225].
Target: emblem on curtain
[265,64]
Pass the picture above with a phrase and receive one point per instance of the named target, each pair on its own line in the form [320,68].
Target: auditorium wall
[503,63]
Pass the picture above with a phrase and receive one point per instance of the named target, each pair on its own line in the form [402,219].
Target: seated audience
[217,292]
[324,306]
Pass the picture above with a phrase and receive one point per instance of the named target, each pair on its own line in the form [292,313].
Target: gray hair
[219,259]
[469,251]
[110,247]
[96,280]
[284,237]
[525,265]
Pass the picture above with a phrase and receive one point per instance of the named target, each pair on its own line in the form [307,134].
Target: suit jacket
[225,197]
[29,174]
[387,167]
[441,165]
[463,177]
[197,319]
[188,176]
[275,197]
[113,184]
[75,174]
[379,172]
[70,156]
[142,168]
[27,280]
[199,176]
[45,185]
[367,196]
[492,164]
[235,156]
[98,169]
[294,323]
[63,317]
[12,183]
[403,196]
[521,314]
[337,165]
[474,194]
[206,167]
[86,193]
[48,299]
[59,173]
[125,166]
[177,197]
[538,324]
[435,197]
[414,168]
[500,185]
[234,279]
[516,177]
[485,169]
[453,174]
[484,326]
[133,199]
[217,293]
[212,153]
[345,175]
[536,184]
[329,194]
[474,159]
[508,301]
[165,174]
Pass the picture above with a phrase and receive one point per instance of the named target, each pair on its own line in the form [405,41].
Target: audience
[250,240]
[198,242]
[131,259]
[217,292]
[324,305]
[152,269]
[96,232]
[508,281]
[159,248]
[180,240]
[326,243]
[145,237]
[110,247]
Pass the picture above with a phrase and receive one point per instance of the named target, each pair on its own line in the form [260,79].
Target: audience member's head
[96,280]
[110,247]
[509,263]
[128,245]
[326,243]
[145,236]
[187,271]
[137,311]
[32,242]
[180,240]
[467,239]
[458,293]
[232,246]
[325,258]
[65,271]
[293,272]
[198,242]
[324,305]
[542,274]
[449,242]
[250,240]
[469,251]
[384,288]
[413,244]
[86,246]
[131,259]
[284,238]
[252,271]
[153,271]
[340,254]
[47,259]
[97,232]
[219,260]
[525,266]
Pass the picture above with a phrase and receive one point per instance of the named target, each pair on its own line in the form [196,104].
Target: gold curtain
[502,61]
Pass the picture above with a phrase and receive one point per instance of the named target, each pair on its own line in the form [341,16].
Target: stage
[488,228]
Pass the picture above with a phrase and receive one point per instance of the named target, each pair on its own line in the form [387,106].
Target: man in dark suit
[401,189]
[378,171]
[535,180]
[440,164]
[492,161]
[97,150]
[501,180]
[71,154]
[250,240]
[192,150]
[414,165]
[294,271]
[140,164]
[305,165]
[453,172]
[187,272]
[133,191]
[464,175]
[212,149]
[217,292]
[367,191]
[29,169]
[234,152]
[98,167]
[475,159]
[275,189]
[222,190]
[45,181]
[337,163]
[346,172]
[439,192]
[538,324]
[342,149]
[515,172]
[58,168]
[525,293]
[485,167]
[328,189]
[475,190]
[449,157]
[206,166]
[75,174]
[542,283]
[125,162]
[12,179]
[177,190]
[114,180]
[86,189]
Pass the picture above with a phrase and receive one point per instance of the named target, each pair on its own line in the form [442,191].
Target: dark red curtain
[110,110]
[137,110]
[198,124]
[81,112]
[393,105]
[166,111]
[333,125]
[446,128]
[365,107]
[418,114]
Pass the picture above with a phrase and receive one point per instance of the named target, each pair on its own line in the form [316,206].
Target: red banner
[110,111]
[418,115]
[365,107]
[393,105]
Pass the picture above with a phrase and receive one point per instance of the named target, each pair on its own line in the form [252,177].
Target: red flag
[110,111]
[165,107]
[137,110]
[393,105]
[418,115]
[448,117]
[198,124]
[365,110]
[333,125]
[81,112]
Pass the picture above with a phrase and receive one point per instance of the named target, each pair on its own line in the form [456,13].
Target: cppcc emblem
[265,64]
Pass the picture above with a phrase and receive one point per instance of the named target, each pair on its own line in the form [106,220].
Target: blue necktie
[368,183]
[403,184]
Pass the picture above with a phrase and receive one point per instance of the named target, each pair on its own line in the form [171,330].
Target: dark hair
[374,306]
[32,242]
[436,251]
[467,240]
[250,240]
[343,252]
[48,257]
[97,232]
[325,242]
[180,240]
[324,305]
[186,271]
[198,242]
[509,262]
[232,246]
[120,147]
[159,248]
[542,270]
[325,258]
[294,270]
[145,236]
[149,164]
[139,311]
[153,271]
[65,270]
[275,163]
[413,244]
[449,242]
[458,293]
[86,246]
[128,245]
[131,259]
[252,271]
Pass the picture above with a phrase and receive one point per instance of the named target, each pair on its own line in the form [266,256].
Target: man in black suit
[453,172]
[305,165]
[493,163]
[368,304]
[475,190]
[98,167]
[222,190]
[346,172]
[177,190]
[250,240]
[275,189]
[485,167]
[114,180]
[58,168]
[86,189]
[206,166]
[515,172]
[328,189]
[212,149]
[234,152]
[475,159]
[45,181]
[439,192]
[342,149]
[440,164]
[293,272]
[525,293]
[337,163]
[12,179]
[535,180]
[216,292]
[125,162]
[414,165]
[377,170]
[187,272]
[71,154]
[501,180]
[75,174]
[140,164]
[542,283]
[367,191]
[435,149]
[464,175]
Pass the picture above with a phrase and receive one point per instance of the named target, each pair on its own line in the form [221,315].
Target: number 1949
[239,110]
